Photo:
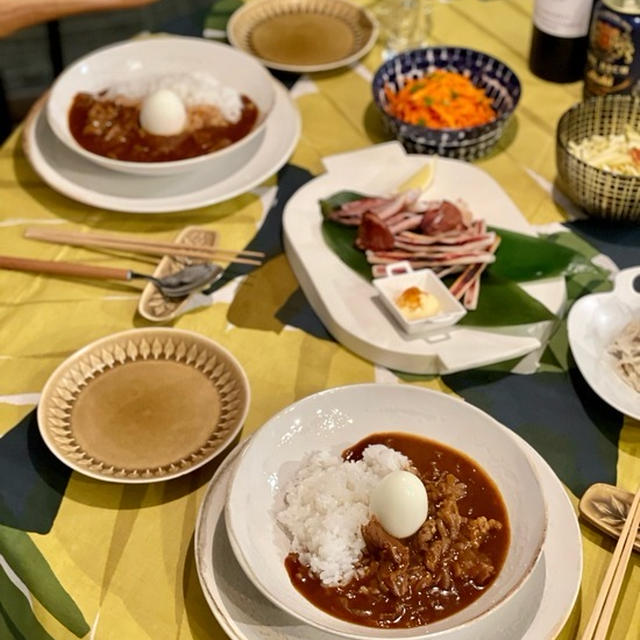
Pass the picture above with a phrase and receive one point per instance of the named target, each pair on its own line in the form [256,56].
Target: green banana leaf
[7,631]
[523,258]
[501,303]
[341,240]
[520,258]
[31,567]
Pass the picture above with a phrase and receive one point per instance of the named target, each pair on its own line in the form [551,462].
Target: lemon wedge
[421,179]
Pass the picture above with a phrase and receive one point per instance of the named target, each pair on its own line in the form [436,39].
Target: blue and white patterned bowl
[499,82]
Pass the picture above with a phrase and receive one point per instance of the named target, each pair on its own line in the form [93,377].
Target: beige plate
[303,35]
[607,507]
[153,305]
[143,405]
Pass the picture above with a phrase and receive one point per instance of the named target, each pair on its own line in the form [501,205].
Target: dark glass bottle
[613,56]
[559,40]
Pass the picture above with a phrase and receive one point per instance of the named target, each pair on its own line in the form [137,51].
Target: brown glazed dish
[452,559]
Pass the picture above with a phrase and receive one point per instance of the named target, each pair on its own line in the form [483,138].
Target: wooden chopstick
[43,233]
[151,250]
[600,619]
[138,245]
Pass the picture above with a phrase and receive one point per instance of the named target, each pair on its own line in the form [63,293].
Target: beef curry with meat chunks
[446,565]
[112,128]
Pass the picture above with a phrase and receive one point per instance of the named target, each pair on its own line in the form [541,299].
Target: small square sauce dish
[418,300]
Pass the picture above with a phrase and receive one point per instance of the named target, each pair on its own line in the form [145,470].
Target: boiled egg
[162,113]
[399,502]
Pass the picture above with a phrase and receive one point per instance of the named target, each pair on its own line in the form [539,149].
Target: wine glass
[404,24]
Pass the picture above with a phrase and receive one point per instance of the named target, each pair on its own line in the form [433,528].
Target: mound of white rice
[327,502]
[193,88]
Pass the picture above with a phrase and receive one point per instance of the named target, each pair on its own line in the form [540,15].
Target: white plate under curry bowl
[337,418]
[72,175]
[594,323]
[537,612]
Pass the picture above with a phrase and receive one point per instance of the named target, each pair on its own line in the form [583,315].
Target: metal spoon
[176,285]
[180,283]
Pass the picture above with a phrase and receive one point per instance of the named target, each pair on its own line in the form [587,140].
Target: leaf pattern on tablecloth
[269,237]
[32,479]
[31,567]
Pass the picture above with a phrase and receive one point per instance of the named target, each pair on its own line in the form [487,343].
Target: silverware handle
[63,268]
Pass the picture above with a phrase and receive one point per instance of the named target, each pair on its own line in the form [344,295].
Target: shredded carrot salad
[441,99]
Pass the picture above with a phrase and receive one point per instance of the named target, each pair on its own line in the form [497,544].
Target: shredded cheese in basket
[619,153]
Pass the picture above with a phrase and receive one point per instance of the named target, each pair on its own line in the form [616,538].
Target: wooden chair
[18,14]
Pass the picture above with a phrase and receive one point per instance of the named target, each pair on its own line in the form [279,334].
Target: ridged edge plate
[272,31]
[73,405]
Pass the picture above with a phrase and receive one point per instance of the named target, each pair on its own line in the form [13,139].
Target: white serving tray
[349,306]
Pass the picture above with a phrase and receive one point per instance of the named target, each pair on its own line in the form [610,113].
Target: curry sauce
[445,566]
[111,128]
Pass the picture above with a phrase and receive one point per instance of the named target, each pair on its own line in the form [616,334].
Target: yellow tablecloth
[124,553]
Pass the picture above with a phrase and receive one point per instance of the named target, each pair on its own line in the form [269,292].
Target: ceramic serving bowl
[151,57]
[499,82]
[594,322]
[601,193]
[337,418]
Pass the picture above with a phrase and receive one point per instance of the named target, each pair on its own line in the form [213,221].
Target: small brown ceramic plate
[303,35]
[143,405]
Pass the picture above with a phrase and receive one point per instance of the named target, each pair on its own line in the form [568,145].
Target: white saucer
[594,323]
[75,177]
[537,612]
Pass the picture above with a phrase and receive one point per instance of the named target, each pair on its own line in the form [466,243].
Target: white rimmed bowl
[140,59]
[337,418]
[400,276]
[594,322]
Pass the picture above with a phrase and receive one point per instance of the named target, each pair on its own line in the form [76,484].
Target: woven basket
[603,194]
